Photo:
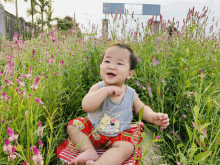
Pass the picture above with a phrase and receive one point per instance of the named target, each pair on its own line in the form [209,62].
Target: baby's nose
[112,66]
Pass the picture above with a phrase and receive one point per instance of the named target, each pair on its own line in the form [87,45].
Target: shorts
[98,140]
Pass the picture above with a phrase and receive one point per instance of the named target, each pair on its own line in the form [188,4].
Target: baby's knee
[126,146]
[71,129]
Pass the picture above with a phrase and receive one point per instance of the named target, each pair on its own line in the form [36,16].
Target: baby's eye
[120,64]
[107,62]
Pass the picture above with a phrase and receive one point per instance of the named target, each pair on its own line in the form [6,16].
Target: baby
[109,105]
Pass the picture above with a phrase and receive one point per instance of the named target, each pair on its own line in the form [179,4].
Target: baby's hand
[114,91]
[161,119]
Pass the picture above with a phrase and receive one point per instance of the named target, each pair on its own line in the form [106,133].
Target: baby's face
[115,67]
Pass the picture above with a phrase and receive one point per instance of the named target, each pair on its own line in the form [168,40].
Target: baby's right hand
[114,91]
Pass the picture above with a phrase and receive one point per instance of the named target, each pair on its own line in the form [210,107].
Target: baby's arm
[93,99]
[149,115]
[96,96]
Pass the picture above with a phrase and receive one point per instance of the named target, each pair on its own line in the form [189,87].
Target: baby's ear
[131,73]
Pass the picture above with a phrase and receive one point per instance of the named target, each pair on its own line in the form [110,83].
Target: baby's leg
[87,150]
[120,151]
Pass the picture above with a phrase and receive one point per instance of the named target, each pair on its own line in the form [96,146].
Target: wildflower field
[43,81]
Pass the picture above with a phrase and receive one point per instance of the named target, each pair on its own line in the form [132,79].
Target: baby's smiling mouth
[111,75]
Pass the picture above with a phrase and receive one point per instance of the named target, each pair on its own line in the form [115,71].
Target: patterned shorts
[99,140]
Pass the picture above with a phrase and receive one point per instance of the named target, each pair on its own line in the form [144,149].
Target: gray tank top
[112,118]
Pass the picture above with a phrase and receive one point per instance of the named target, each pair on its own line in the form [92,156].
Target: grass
[184,83]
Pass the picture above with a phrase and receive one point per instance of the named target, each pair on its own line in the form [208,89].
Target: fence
[9,24]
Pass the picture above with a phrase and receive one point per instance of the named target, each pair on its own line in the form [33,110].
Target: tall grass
[177,75]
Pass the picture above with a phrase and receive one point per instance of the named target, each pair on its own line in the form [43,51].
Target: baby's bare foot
[91,162]
[82,158]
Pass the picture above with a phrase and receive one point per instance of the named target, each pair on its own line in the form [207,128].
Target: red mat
[66,151]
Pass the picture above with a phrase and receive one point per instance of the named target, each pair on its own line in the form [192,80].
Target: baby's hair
[133,59]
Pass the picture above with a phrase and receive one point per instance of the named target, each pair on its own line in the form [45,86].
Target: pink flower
[38,101]
[13,137]
[162,80]
[20,83]
[190,93]
[155,62]
[40,132]
[157,137]
[25,163]
[33,52]
[139,59]
[37,158]
[11,157]
[185,68]
[202,73]
[61,63]
[8,82]
[7,147]
[35,85]
[184,116]
[28,76]
[41,144]
[4,95]
[8,99]
[149,90]
[39,124]
[56,74]
[1,73]
[143,87]
[26,114]
[52,61]
[137,83]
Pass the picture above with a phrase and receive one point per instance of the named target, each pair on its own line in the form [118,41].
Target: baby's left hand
[161,119]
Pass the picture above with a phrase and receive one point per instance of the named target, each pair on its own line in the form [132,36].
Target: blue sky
[86,10]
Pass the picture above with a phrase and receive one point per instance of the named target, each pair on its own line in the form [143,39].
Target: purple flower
[157,137]
[38,101]
[13,137]
[184,116]
[149,90]
[40,144]
[7,147]
[20,83]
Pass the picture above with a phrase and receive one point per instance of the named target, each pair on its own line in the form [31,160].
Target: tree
[44,6]
[67,23]
[49,15]
[32,10]
[8,1]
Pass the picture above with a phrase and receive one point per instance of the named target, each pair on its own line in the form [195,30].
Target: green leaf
[179,145]
[158,91]
[183,160]
[202,156]
[157,140]
[129,135]
[196,111]
[190,134]
[184,61]
[193,149]
[174,120]
[197,97]
[203,130]
[144,138]
[206,89]
[187,51]
[141,114]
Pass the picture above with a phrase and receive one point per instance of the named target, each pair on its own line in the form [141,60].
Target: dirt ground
[153,156]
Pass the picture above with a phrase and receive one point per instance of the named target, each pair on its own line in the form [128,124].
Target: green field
[182,71]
